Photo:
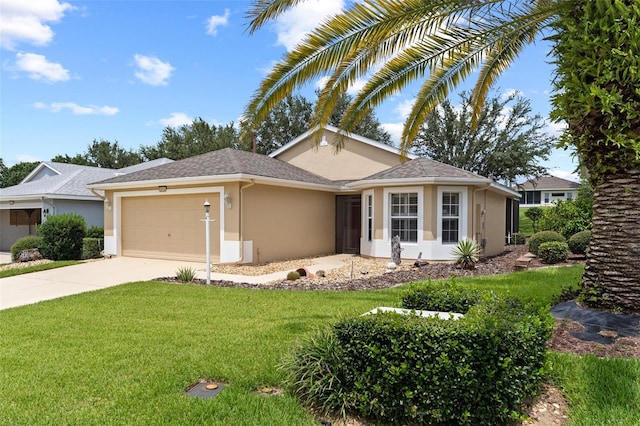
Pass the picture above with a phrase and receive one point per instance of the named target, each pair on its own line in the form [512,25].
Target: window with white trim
[450,217]
[403,212]
[369,223]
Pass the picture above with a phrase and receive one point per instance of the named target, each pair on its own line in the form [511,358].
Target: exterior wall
[494,219]
[482,216]
[92,211]
[356,160]
[10,233]
[283,223]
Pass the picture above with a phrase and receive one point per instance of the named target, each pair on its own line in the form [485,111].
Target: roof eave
[202,180]
[417,181]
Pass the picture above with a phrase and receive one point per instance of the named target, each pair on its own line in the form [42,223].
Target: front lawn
[127,354]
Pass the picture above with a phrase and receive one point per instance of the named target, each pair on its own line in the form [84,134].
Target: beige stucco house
[302,200]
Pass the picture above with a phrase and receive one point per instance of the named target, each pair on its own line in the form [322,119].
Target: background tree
[286,121]
[13,175]
[368,125]
[291,117]
[191,139]
[534,214]
[508,141]
[102,153]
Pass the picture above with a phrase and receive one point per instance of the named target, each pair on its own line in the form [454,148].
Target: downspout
[241,228]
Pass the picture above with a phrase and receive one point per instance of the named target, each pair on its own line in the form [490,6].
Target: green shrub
[95,232]
[566,218]
[579,243]
[543,237]
[315,372]
[293,275]
[186,274]
[92,248]
[467,253]
[62,236]
[474,371]
[553,252]
[24,243]
[518,238]
[443,297]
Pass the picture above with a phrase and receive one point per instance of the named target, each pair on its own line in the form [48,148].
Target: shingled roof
[424,168]
[223,162]
[548,182]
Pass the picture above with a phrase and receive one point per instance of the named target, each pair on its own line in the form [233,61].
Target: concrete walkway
[94,275]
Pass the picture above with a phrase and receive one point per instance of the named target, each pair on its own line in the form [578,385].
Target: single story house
[54,188]
[303,200]
[546,190]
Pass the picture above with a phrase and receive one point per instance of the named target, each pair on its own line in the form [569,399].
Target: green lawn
[35,268]
[127,354]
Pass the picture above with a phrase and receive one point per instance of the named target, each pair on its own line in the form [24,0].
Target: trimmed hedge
[553,252]
[24,243]
[397,369]
[579,243]
[542,237]
[62,236]
[95,232]
[92,247]
[446,297]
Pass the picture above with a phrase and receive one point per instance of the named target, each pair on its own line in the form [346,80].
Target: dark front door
[348,223]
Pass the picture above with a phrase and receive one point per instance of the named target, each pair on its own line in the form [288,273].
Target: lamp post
[207,207]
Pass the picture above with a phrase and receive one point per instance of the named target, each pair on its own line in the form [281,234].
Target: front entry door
[348,223]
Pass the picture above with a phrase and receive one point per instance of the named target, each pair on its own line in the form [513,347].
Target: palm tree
[393,43]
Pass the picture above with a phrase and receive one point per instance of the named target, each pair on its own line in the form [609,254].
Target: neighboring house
[302,200]
[50,189]
[546,190]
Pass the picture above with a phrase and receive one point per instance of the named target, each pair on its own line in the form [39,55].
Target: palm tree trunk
[612,274]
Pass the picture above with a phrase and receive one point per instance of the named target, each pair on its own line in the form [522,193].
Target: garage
[169,226]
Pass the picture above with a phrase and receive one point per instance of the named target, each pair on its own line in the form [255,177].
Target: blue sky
[75,71]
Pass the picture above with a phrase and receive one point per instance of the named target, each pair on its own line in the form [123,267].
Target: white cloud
[404,108]
[176,119]
[293,26]
[509,93]
[556,129]
[217,21]
[26,21]
[152,70]
[395,130]
[26,158]
[77,109]
[40,69]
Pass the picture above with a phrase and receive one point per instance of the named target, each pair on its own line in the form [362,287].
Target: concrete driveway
[93,275]
[45,285]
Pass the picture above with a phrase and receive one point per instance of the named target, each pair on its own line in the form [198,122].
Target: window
[404,216]
[557,194]
[450,217]
[569,195]
[546,198]
[369,207]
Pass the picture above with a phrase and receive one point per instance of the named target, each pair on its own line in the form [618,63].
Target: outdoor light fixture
[207,208]
[162,188]
[107,203]
[227,200]
[12,202]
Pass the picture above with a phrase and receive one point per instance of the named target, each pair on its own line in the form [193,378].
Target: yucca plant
[185,274]
[467,253]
